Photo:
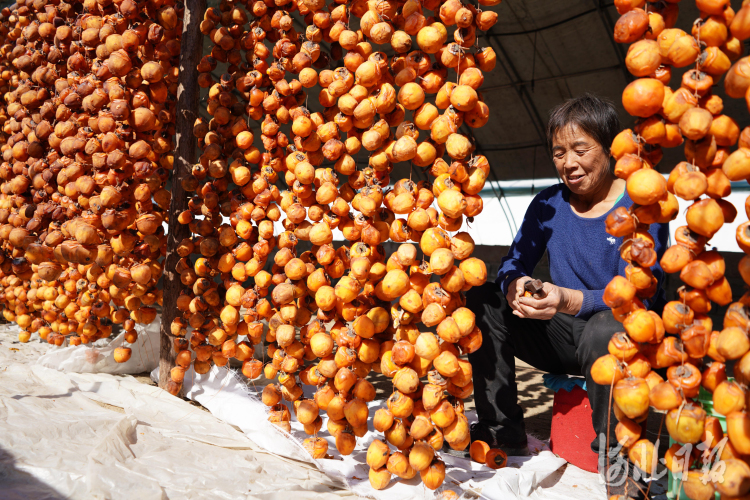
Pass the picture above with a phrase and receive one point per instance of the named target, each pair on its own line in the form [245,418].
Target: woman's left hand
[557,299]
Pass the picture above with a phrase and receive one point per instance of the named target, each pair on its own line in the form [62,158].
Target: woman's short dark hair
[595,116]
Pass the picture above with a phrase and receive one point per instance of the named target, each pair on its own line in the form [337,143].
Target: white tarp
[501,217]
[98,358]
[59,439]
[57,442]
[543,476]
[503,214]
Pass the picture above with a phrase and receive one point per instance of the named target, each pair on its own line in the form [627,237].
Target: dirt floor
[535,399]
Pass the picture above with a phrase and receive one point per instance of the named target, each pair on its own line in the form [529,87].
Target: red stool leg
[572,431]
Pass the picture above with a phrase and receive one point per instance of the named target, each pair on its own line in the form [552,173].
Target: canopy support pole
[188,97]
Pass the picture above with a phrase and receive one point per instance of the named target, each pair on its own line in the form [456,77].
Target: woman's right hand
[515,290]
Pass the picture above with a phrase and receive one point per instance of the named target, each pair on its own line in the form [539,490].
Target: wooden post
[188,97]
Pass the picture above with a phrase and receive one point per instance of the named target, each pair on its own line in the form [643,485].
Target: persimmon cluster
[87,124]
[336,313]
[683,337]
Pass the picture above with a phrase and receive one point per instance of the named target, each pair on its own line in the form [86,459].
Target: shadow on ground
[16,484]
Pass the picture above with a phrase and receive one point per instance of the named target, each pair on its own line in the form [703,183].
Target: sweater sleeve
[593,300]
[527,248]
[660,232]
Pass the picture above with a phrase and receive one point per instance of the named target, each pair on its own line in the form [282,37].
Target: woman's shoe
[480,432]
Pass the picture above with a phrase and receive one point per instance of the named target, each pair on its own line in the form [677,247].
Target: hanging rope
[533,65]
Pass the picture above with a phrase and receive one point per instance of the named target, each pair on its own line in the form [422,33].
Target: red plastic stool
[572,431]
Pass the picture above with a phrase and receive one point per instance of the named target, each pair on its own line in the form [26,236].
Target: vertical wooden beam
[188,97]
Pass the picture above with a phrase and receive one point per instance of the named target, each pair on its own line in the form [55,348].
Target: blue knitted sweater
[582,255]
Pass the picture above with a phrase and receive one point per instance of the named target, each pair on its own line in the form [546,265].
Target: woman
[568,329]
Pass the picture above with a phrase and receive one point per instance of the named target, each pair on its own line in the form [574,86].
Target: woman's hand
[515,291]
[556,300]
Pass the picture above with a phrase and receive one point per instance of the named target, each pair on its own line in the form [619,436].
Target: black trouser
[561,345]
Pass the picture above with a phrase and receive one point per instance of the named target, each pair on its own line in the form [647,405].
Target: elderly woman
[568,329]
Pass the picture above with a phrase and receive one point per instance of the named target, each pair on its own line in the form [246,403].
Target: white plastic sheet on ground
[543,476]
[99,357]
[57,442]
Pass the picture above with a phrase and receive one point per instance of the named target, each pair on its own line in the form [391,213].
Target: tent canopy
[547,51]
[551,51]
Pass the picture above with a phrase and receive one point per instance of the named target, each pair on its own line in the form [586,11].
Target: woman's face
[581,162]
